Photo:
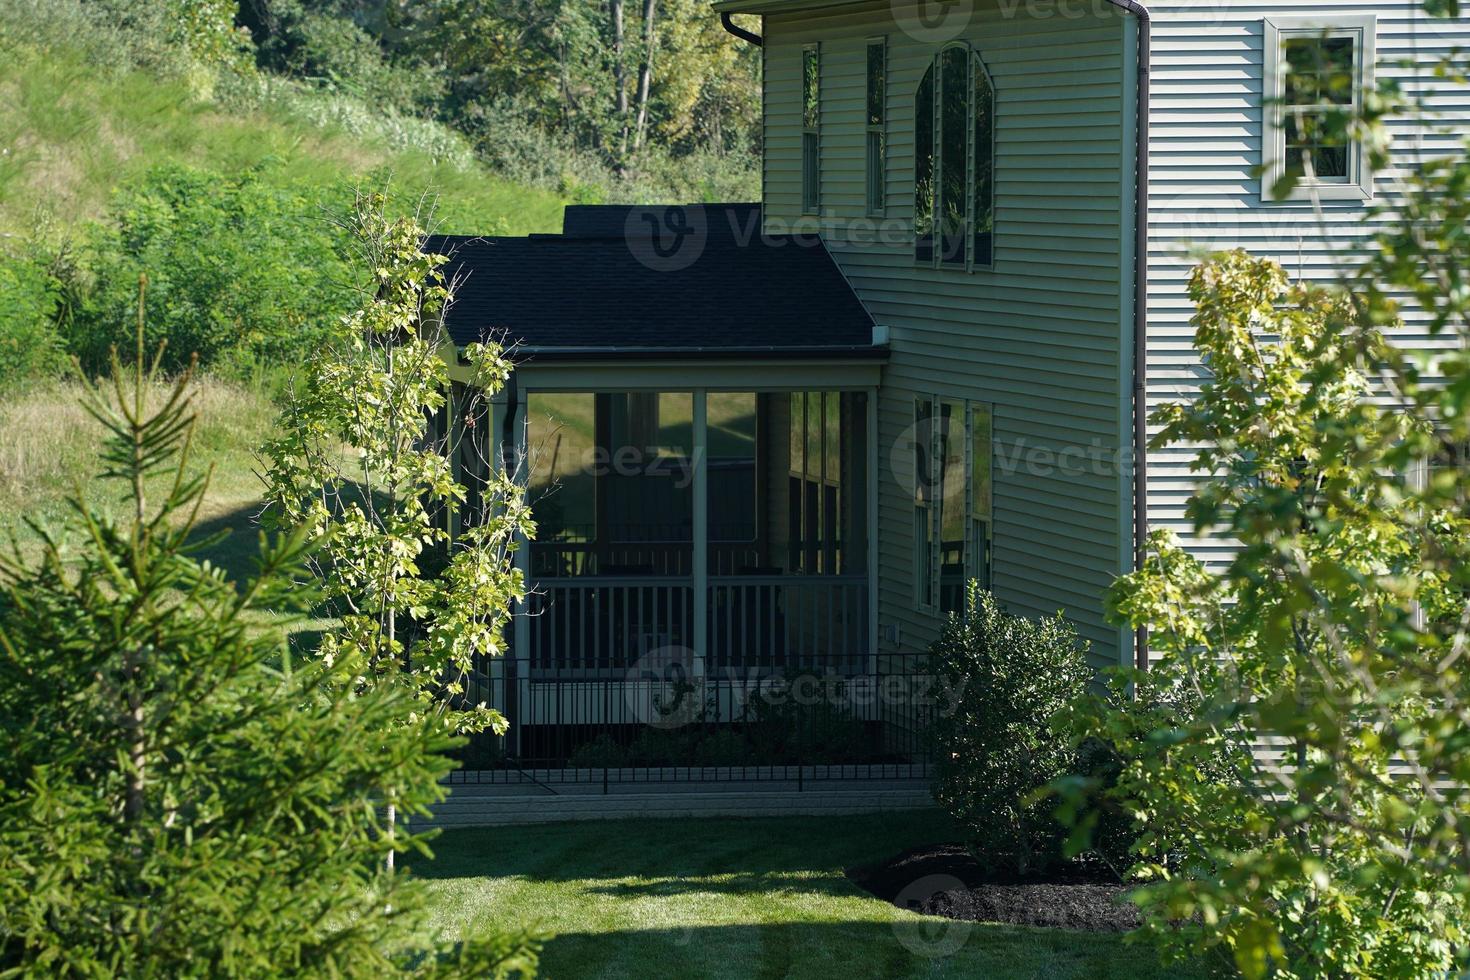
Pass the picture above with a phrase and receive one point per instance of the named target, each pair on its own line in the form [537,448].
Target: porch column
[699,576]
[518,668]
[875,480]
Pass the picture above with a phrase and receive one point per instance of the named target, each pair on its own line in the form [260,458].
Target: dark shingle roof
[656,281]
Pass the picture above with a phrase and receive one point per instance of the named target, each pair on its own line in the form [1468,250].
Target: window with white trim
[1317,70]
[954,161]
[877,123]
[811,132]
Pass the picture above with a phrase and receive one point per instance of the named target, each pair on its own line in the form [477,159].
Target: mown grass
[71,132]
[754,898]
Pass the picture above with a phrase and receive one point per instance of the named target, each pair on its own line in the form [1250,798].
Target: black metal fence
[674,718]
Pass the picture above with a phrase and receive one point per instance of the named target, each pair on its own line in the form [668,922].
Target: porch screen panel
[731,445]
[469,448]
[647,502]
[563,460]
[793,594]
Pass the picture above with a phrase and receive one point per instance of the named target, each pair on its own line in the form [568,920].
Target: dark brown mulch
[945,879]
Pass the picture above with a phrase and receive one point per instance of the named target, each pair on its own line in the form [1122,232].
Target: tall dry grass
[49,445]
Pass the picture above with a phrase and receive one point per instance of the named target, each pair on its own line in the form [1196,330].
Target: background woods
[629,84]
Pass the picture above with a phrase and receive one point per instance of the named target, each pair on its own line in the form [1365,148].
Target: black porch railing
[784,687]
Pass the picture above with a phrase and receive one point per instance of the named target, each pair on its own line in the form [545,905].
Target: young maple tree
[361,465]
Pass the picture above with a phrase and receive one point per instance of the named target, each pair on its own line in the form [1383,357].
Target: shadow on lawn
[723,883]
[912,947]
[660,857]
[237,550]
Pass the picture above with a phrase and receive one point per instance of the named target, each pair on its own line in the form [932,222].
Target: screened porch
[727,528]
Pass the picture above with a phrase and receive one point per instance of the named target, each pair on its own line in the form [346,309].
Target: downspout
[1140,306]
[728,23]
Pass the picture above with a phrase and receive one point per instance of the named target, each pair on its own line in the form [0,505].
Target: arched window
[954,161]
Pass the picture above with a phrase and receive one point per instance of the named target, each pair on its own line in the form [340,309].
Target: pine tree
[177,797]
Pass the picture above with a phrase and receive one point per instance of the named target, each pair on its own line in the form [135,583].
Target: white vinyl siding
[1210,141]
[1037,338]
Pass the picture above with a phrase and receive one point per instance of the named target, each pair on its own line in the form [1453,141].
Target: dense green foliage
[127,149]
[1292,754]
[177,798]
[241,271]
[615,103]
[29,344]
[421,580]
[1319,646]
[1000,747]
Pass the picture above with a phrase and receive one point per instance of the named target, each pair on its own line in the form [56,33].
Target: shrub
[723,748]
[603,752]
[1324,652]
[812,724]
[302,42]
[240,271]
[30,346]
[1000,746]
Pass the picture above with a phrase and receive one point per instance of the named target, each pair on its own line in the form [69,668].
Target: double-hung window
[1316,73]
[877,125]
[811,129]
[954,162]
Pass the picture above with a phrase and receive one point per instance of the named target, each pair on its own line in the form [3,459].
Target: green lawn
[761,898]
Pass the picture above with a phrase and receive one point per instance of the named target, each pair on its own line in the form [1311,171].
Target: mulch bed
[945,879]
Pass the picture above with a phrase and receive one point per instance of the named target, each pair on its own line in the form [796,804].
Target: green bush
[999,746]
[30,346]
[810,725]
[301,42]
[603,752]
[240,271]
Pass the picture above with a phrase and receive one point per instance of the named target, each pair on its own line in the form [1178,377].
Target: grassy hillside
[73,131]
[70,134]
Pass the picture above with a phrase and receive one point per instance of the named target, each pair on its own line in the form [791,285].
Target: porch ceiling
[652,283]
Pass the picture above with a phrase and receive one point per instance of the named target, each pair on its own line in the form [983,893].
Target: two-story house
[775,440]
